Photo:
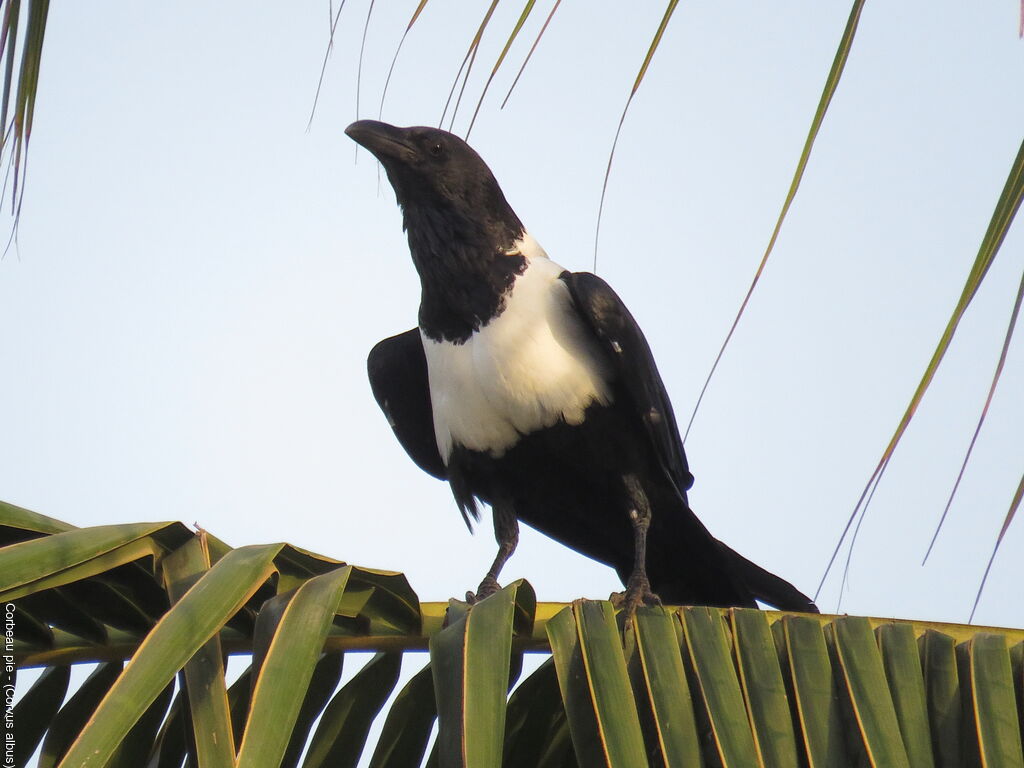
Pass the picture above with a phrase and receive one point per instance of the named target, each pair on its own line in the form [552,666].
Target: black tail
[686,565]
[769,588]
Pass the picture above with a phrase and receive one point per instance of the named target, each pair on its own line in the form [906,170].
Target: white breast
[531,366]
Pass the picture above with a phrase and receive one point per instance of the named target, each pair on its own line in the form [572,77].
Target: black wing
[398,377]
[634,365]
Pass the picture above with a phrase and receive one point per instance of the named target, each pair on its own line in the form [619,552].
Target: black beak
[383,140]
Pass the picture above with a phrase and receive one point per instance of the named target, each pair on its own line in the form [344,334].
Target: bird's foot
[638,592]
[488,587]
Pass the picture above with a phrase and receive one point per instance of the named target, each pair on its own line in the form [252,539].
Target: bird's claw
[488,587]
[638,592]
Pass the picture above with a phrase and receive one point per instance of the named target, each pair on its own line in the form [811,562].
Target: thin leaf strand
[8,41]
[470,54]
[856,532]
[615,142]
[17,133]
[362,50]
[607,174]
[394,59]
[1014,505]
[462,90]
[530,54]
[1006,208]
[323,69]
[654,44]
[831,83]
[984,412]
[504,51]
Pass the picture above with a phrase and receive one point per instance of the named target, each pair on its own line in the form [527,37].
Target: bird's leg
[506,533]
[638,588]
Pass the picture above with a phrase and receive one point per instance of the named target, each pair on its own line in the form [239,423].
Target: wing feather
[634,365]
[397,369]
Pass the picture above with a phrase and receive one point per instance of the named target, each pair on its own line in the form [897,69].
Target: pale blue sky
[184,327]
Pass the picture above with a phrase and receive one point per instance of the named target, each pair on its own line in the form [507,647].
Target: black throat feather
[466,266]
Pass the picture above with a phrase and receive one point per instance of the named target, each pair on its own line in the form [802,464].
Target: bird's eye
[436,149]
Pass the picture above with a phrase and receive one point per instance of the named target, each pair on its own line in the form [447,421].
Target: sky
[198,278]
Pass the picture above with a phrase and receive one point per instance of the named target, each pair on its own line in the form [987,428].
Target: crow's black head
[435,175]
[462,232]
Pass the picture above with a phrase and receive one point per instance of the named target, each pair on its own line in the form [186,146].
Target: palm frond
[21,83]
[673,686]
[831,83]
[1002,217]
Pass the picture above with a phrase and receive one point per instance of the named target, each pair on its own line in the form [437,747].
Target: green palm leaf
[36,710]
[20,100]
[204,672]
[861,663]
[182,631]
[68,723]
[686,686]
[719,686]
[284,675]
[595,686]
[406,731]
[470,659]
[906,682]
[768,702]
[341,735]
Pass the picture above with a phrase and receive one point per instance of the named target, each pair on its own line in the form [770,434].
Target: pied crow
[532,389]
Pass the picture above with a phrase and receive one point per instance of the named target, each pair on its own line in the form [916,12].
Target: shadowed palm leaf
[676,686]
